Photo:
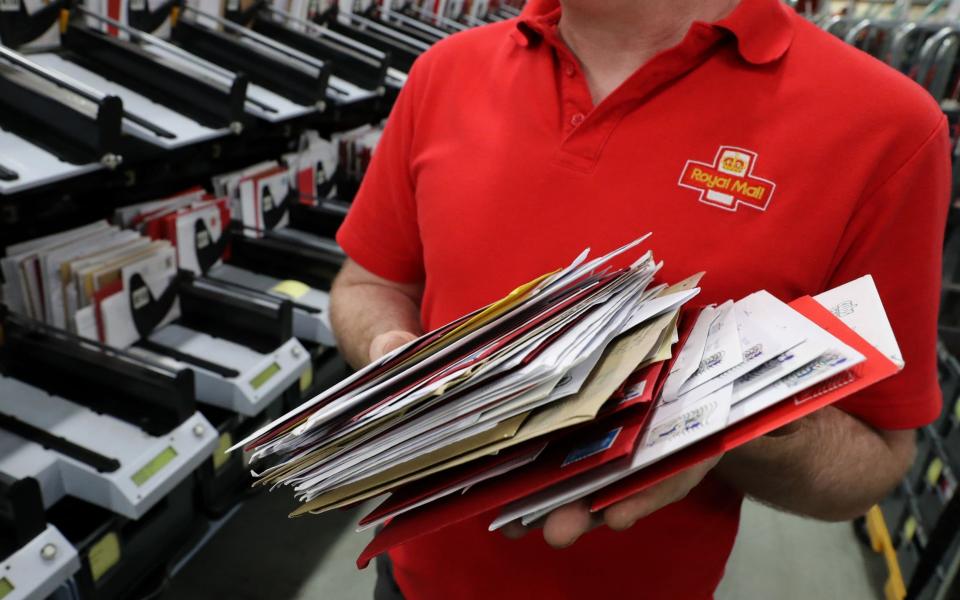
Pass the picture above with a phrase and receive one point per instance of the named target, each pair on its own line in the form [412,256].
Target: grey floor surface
[262,555]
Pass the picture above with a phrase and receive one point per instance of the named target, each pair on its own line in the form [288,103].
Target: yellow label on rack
[103,555]
[153,467]
[220,456]
[306,379]
[909,528]
[291,288]
[5,587]
[956,410]
[264,376]
[934,470]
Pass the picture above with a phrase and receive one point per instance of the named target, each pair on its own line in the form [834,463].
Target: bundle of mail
[98,281]
[589,382]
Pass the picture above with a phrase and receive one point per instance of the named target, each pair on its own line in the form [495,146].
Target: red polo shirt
[759,149]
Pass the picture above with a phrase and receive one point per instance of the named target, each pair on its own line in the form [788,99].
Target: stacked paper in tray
[586,382]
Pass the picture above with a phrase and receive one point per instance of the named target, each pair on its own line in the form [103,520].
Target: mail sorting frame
[405,24]
[402,49]
[35,558]
[90,422]
[902,41]
[238,343]
[121,558]
[225,480]
[876,37]
[312,259]
[262,101]
[50,128]
[304,251]
[927,52]
[285,71]
[251,102]
[311,320]
[165,106]
[358,72]
[936,66]
[435,25]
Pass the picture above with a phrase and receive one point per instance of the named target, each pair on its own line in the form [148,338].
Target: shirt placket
[585,128]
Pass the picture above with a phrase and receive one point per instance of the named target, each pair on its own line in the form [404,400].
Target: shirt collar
[763,28]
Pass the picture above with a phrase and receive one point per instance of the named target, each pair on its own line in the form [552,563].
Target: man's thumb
[386,342]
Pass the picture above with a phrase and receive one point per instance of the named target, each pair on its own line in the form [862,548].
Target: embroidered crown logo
[729,181]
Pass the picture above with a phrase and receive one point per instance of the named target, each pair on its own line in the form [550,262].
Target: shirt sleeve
[896,235]
[380,231]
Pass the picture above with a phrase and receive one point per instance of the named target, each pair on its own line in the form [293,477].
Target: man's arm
[832,467]
[372,315]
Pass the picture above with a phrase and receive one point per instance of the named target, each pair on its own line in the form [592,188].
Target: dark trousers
[386,588]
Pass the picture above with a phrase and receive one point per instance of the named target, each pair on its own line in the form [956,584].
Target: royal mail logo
[729,181]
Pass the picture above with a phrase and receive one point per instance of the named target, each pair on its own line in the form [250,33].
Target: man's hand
[828,465]
[388,341]
[371,315]
[565,525]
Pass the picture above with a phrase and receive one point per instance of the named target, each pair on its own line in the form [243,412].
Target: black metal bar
[318,220]
[226,51]
[413,32]
[347,63]
[131,66]
[247,290]
[401,55]
[286,260]
[428,36]
[258,321]
[188,358]
[21,513]
[114,382]
[78,134]
[103,464]
[27,65]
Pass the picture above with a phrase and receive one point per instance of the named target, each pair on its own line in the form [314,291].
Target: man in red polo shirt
[514,146]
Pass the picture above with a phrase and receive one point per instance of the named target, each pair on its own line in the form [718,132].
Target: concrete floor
[262,555]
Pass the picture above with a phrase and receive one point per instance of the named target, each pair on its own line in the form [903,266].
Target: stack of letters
[588,382]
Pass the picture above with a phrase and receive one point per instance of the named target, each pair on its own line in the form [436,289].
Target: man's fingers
[567,523]
[622,515]
[788,429]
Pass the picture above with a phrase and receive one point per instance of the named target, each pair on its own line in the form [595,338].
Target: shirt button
[577,119]
[569,69]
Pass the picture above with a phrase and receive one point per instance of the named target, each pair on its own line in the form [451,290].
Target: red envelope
[497,492]
[875,368]
[653,376]
[560,461]
[625,398]
[418,491]
[574,453]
